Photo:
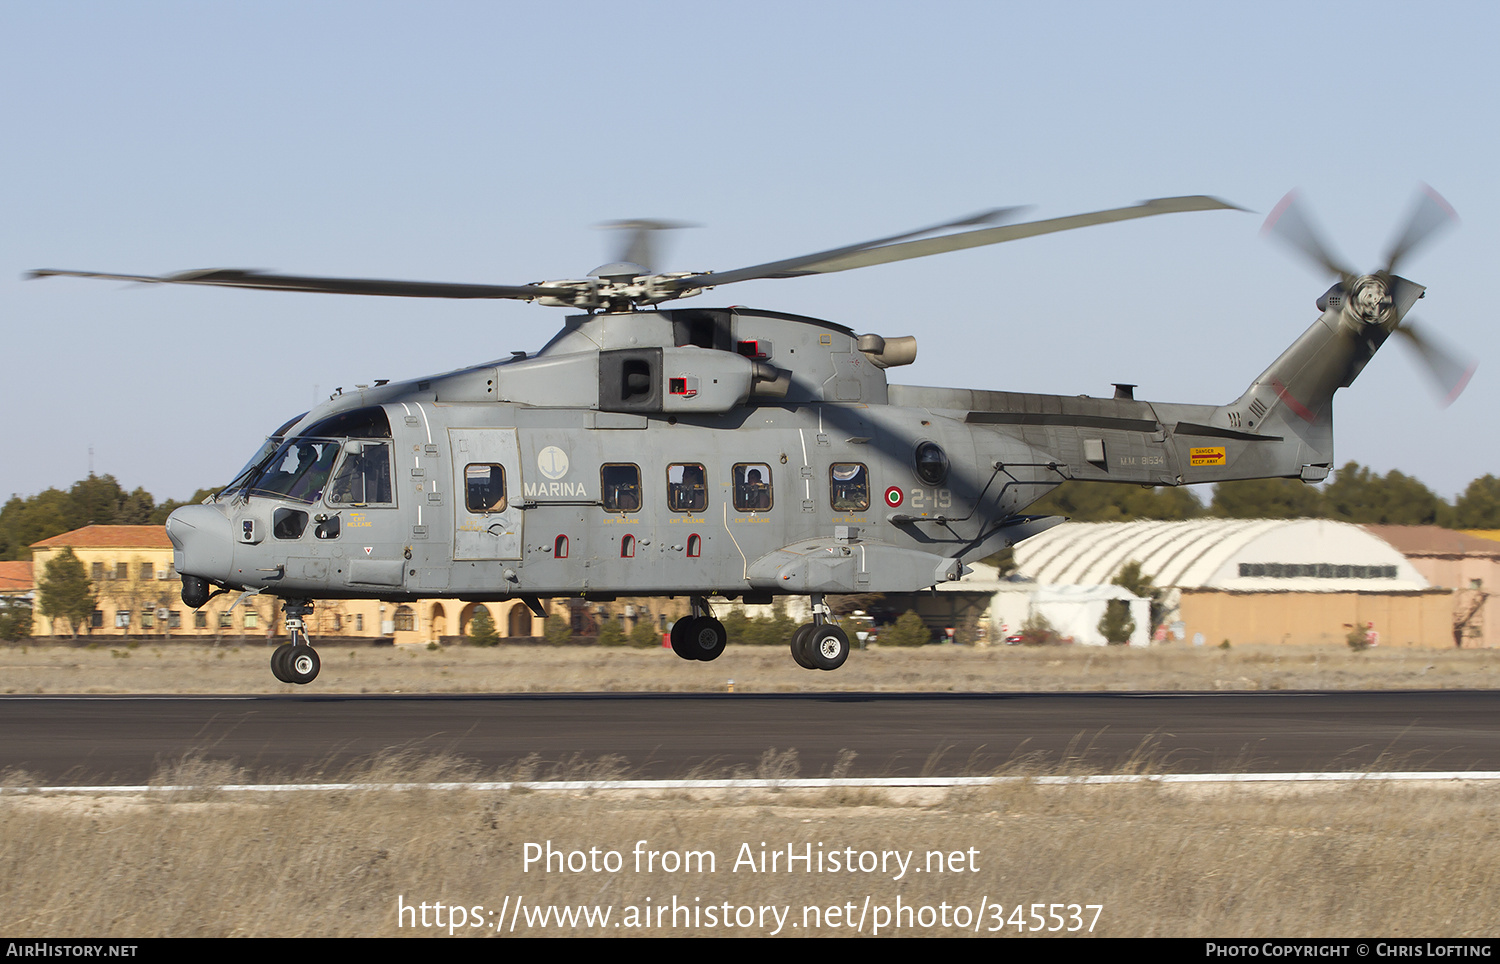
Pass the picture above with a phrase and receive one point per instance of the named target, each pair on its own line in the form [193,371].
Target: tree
[556,630]
[1267,499]
[1359,495]
[1038,631]
[1131,579]
[1114,502]
[1117,624]
[908,631]
[482,628]
[15,619]
[65,590]
[1479,506]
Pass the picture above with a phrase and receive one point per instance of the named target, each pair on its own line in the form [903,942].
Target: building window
[174,619]
[96,618]
[148,618]
[122,619]
[97,572]
[226,620]
[359,622]
[148,570]
[406,620]
[200,620]
[252,619]
[122,570]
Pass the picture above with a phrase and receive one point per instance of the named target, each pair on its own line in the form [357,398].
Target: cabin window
[364,476]
[752,486]
[627,547]
[849,484]
[620,487]
[932,463]
[560,548]
[694,546]
[484,487]
[298,470]
[687,487]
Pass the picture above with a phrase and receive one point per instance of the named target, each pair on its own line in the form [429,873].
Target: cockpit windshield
[298,468]
[259,459]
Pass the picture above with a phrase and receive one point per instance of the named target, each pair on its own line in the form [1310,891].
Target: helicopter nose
[202,541]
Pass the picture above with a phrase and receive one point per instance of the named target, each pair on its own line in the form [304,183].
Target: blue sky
[481,141]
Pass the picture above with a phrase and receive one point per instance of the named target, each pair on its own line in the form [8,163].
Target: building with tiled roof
[1465,562]
[16,578]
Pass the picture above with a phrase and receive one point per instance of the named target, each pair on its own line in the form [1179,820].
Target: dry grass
[200,668]
[1252,861]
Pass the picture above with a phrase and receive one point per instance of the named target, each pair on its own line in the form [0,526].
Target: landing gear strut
[296,661]
[699,636]
[820,644]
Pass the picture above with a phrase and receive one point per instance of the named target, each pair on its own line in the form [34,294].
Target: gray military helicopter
[730,452]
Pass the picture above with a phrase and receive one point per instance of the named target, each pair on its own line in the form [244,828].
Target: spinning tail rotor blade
[1290,223]
[1430,214]
[1449,370]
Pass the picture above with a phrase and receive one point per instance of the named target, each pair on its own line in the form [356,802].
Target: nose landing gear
[296,661]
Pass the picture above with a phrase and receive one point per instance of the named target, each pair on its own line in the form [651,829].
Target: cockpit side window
[359,423]
[364,476]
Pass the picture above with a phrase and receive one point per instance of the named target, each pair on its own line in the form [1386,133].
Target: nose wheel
[296,661]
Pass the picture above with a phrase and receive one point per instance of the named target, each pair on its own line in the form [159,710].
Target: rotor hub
[1369,300]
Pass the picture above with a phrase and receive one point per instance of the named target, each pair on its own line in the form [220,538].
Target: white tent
[1074,611]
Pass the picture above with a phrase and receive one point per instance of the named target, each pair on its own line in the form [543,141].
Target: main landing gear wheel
[827,647]
[699,637]
[279,658]
[799,646]
[301,665]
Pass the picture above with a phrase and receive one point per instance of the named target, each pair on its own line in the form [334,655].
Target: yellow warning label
[1206,456]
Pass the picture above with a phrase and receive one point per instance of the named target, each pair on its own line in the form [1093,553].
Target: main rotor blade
[1449,370]
[884,252]
[1289,221]
[1429,215]
[807,263]
[241,278]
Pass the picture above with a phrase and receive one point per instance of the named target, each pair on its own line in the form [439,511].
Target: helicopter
[733,453]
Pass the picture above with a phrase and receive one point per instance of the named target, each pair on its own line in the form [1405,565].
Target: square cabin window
[849,487]
[484,487]
[364,475]
[620,485]
[687,487]
[752,486]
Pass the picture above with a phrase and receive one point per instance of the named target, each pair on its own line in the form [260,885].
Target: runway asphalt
[82,740]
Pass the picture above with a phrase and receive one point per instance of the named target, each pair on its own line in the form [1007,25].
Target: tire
[708,639]
[799,646]
[828,647]
[302,665]
[681,635]
[279,662]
